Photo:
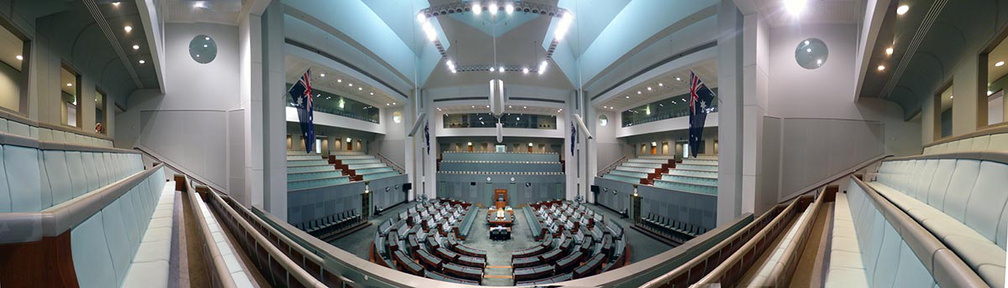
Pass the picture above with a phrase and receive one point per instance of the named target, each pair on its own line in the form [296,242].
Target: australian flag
[426,134]
[301,93]
[573,136]
[700,103]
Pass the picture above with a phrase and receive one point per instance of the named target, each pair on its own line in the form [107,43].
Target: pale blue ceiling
[485,22]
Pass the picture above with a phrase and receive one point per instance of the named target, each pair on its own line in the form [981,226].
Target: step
[313,175]
[309,184]
[299,163]
[700,162]
[697,167]
[645,160]
[629,174]
[686,187]
[636,169]
[304,157]
[305,169]
[374,176]
[372,170]
[622,178]
[690,179]
[359,161]
[693,173]
[365,166]
[642,165]
[350,157]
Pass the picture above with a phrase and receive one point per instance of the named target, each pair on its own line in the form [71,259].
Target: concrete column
[730,112]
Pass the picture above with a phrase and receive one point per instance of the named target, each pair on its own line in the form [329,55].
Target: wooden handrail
[222,277]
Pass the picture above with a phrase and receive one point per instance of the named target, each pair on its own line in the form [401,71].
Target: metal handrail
[612,166]
[391,163]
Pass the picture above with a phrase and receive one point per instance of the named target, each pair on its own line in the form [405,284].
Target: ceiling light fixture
[429,30]
[351,84]
[493,69]
[881,67]
[525,70]
[542,67]
[115,4]
[136,47]
[69,84]
[661,84]
[339,80]
[420,17]
[627,96]
[142,61]
[372,93]
[322,75]
[492,8]
[902,9]
[951,96]
[19,57]
[889,51]
[509,8]
[360,88]
[795,7]
[477,9]
[638,92]
[501,69]
[199,4]
[563,26]
[999,64]
[128,28]
[649,88]
[989,92]
[678,79]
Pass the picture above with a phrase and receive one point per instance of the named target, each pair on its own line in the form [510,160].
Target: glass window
[100,112]
[943,115]
[326,102]
[70,91]
[509,120]
[672,107]
[12,61]
[997,80]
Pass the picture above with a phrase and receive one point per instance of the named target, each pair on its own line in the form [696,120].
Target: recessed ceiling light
[649,88]
[493,69]
[351,84]
[951,96]
[388,104]
[881,67]
[115,4]
[999,64]
[524,107]
[488,106]
[477,9]
[339,80]
[360,88]
[638,92]
[19,57]
[136,47]
[492,8]
[605,106]
[128,28]
[509,106]
[795,7]
[420,17]
[678,79]
[888,51]
[509,8]
[473,106]
[142,61]
[393,103]
[627,96]
[525,70]
[69,84]
[372,93]
[902,9]
[501,69]
[322,75]
[661,84]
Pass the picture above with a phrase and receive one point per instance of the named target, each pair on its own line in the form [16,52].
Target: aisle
[499,271]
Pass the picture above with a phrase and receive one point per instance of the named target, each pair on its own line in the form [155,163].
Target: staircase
[698,175]
[310,170]
[361,167]
[641,170]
